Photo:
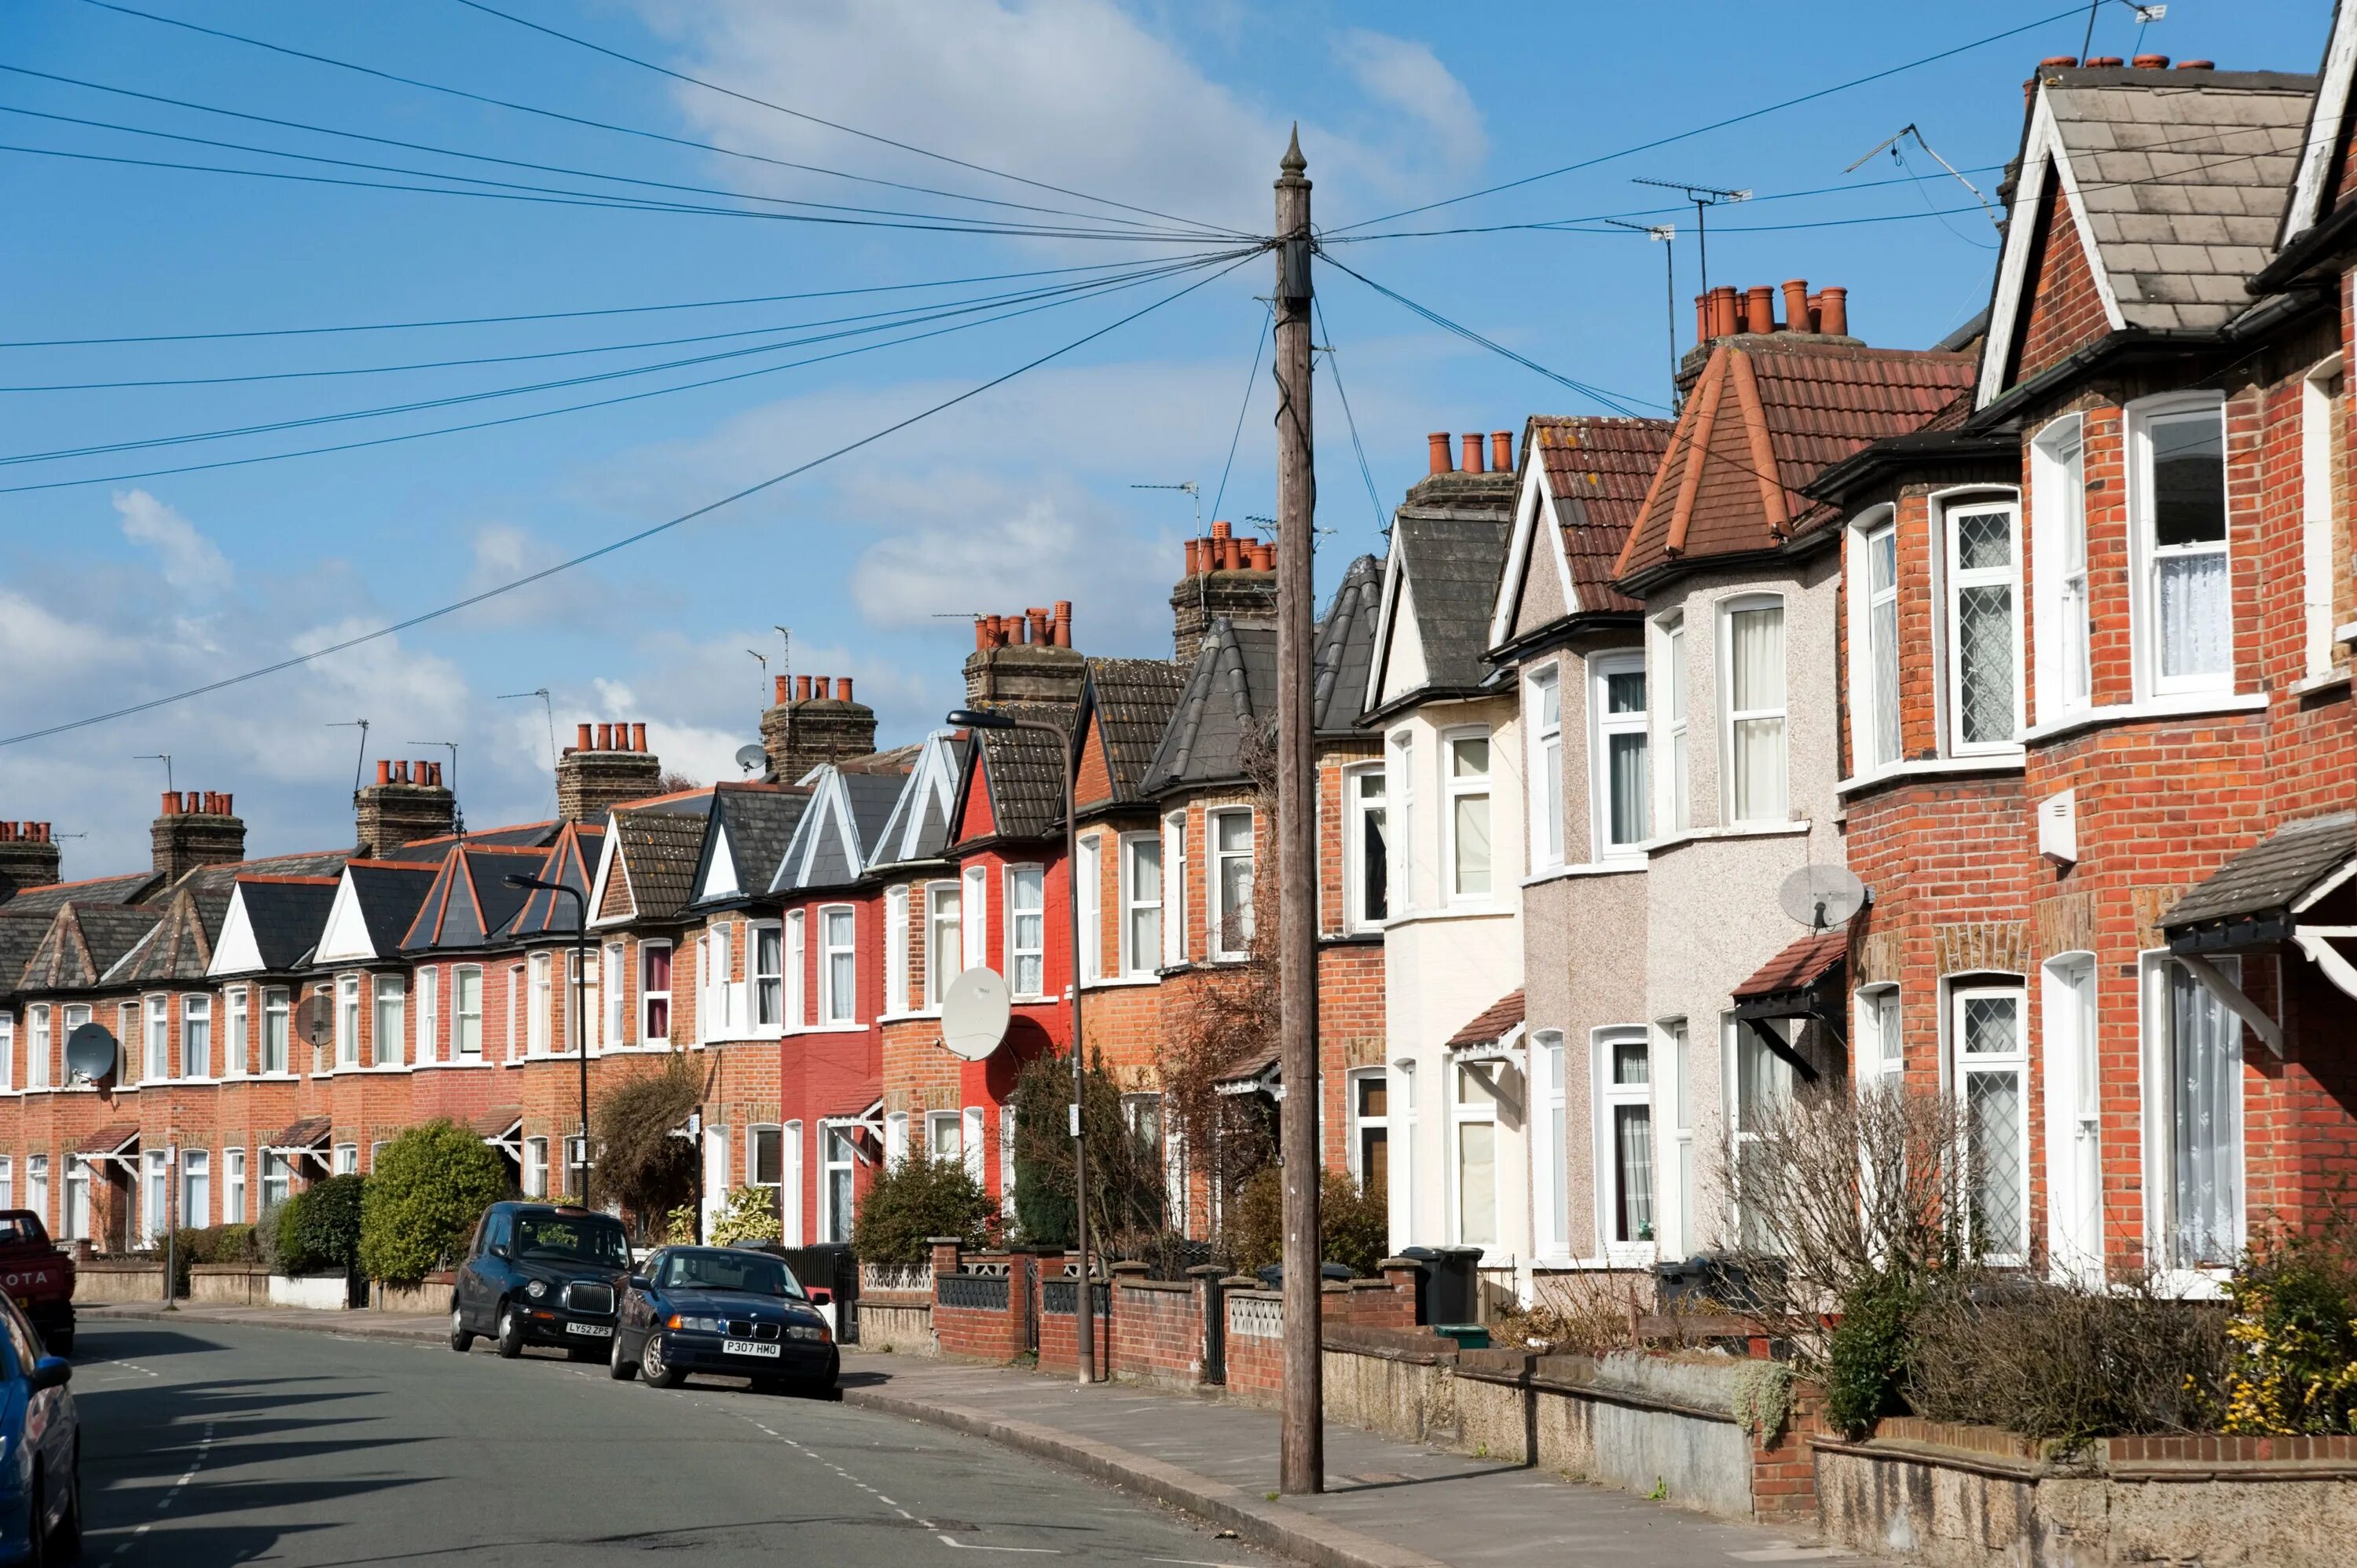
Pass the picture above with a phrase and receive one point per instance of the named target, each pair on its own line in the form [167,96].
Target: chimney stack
[403,805]
[824,724]
[594,778]
[195,828]
[1216,587]
[28,858]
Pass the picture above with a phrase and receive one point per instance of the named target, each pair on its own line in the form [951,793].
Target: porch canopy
[308,1136]
[501,1127]
[1492,1034]
[111,1142]
[2293,889]
[1805,981]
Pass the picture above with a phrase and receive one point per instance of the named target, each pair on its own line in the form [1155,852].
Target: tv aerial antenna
[1666,236]
[1892,143]
[1705,197]
[166,758]
[1821,896]
[457,814]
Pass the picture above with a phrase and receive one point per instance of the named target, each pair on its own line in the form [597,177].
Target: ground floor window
[1624,1135]
[1550,1152]
[196,1190]
[2075,1170]
[347,1159]
[77,1215]
[793,1183]
[1680,1058]
[234,1186]
[1473,1115]
[1992,1065]
[155,1193]
[2193,1117]
[1762,1087]
[1370,1095]
[945,1136]
[535,1167]
[836,1174]
[277,1179]
[7,1182]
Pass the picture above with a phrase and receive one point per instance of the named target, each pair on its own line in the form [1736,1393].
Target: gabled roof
[1583,482]
[82,943]
[1222,715]
[649,859]
[1344,652]
[745,838]
[1804,961]
[571,861]
[1768,413]
[1493,1024]
[2322,183]
[20,938]
[849,803]
[1441,584]
[2172,184]
[180,946]
[469,904]
[1127,703]
[274,924]
[919,828]
[374,907]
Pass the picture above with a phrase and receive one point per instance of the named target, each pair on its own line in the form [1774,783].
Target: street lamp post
[580,991]
[1084,1308]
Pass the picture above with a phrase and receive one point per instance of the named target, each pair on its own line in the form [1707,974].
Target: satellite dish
[315,1020]
[1821,896]
[749,757]
[974,1013]
[89,1053]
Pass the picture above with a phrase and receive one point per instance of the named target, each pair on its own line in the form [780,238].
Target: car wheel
[656,1368]
[619,1367]
[65,1542]
[511,1334]
[460,1341]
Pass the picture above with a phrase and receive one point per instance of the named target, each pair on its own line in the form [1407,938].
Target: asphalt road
[205,1444]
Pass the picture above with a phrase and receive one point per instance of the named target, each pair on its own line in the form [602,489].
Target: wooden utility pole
[1303,1466]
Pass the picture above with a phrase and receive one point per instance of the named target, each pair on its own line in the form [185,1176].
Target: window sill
[467,1066]
[2194,704]
[908,1017]
[2345,635]
[1932,767]
[852,1028]
[1592,868]
[643,1049]
[280,1077]
[2330,681]
[1451,912]
[1730,830]
[1120,982]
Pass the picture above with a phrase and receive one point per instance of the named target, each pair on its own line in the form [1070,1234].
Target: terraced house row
[2042,632]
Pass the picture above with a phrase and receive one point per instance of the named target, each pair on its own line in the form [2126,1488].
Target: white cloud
[1408,77]
[501,554]
[192,563]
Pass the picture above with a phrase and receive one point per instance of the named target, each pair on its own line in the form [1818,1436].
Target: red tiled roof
[310,1132]
[108,1139]
[1765,418]
[1598,472]
[1798,967]
[496,1121]
[1491,1024]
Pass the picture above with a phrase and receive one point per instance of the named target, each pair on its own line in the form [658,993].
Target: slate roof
[2271,876]
[919,828]
[1343,651]
[1767,415]
[20,938]
[758,822]
[81,944]
[1598,474]
[2183,177]
[571,861]
[1801,964]
[1493,1024]
[1129,703]
[528,835]
[658,850]
[127,888]
[469,904]
[180,946]
[287,916]
[1024,771]
[1230,694]
[390,893]
[1452,560]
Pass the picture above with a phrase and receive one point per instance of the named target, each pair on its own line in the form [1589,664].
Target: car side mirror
[640,1282]
[50,1373]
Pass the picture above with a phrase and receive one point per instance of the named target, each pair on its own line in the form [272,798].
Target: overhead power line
[819,120]
[1699,130]
[624,543]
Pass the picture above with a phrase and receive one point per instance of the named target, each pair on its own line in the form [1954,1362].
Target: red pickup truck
[39,1276]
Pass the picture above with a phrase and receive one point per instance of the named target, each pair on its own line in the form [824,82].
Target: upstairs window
[2057,499]
[1026,931]
[1367,853]
[2186,641]
[1680,814]
[195,1037]
[1985,627]
[392,1005]
[1617,709]
[1174,882]
[617,1015]
[467,1013]
[8,1051]
[276,1000]
[538,1017]
[159,1039]
[234,1036]
[1879,705]
[1141,904]
[1090,885]
[896,950]
[430,1025]
[1468,782]
[1402,777]
[2324,423]
[840,965]
[974,910]
[654,991]
[1753,660]
[943,923]
[769,975]
[796,1008]
[1542,705]
[1231,882]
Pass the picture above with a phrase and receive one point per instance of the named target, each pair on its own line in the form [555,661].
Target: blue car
[722,1309]
[40,1447]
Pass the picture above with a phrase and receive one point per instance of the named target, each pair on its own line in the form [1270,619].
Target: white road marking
[972,1546]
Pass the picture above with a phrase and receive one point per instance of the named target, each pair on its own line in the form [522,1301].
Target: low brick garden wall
[228,1284]
[118,1279]
[430,1295]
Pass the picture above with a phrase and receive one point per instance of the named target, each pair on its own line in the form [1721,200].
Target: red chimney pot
[383,771]
[1702,319]
[843,690]
[801,688]
[1722,310]
[605,737]
[1063,629]
[1438,441]
[2057,62]
[1796,304]
[781,686]
[1760,306]
[1472,440]
[2150,63]
[1223,530]
[1501,451]
[2104,62]
[1834,306]
[2197,65]
[638,743]
[581,741]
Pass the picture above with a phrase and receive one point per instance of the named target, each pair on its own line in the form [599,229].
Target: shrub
[919,1198]
[320,1228]
[432,1184]
[1353,1227]
[1126,1185]
[2293,1304]
[1866,1360]
[212,1244]
[641,1163]
[749,1215]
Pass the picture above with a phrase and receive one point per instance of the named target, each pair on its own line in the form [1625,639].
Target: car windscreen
[571,1238]
[21,1230]
[751,1272]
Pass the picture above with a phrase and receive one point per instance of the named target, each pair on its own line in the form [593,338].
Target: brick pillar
[1406,1274]
[1212,1309]
[1785,1473]
[946,1254]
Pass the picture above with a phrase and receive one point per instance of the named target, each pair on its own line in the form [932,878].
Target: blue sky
[117,592]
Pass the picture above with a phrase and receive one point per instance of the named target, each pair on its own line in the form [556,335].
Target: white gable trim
[720,866]
[130,960]
[1535,504]
[2042,152]
[609,865]
[345,939]
[237,953]
[1395,579]
[934,776]
[2323,127]
[1406,669]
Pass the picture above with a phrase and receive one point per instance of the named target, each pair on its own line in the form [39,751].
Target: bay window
[1624,1135]
[540,1018]
[766,1160]
[390,1017]
[945,1136]
[8,1051]
[2185,611]
[158,1067]
[37,1045]
[618,1011]
[1992,1068]
[654,992]
[1752,661]
[797,969]
[277,1003]
[1467,780]
[895,1139]
[943,923]
[2194,1119]
[838,1159]
[971,1144]
[1680,1063]
[126,1030]
[838,973]
[37,1184]
[195,1037]
[429,1023]
[582,965]
[1366,850]
[1543,702]
[233,1186]
[348,1021]
[195,1188]
[1232,883]
[1141,904]
[769,975]
[1984,626]
[974,906]
[2057,499]
[535,1167]
[467,1013]
[1027,931]
[1402,777]
[1618,740]
[1881,1054]
[896,950]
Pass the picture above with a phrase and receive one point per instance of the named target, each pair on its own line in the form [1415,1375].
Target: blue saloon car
[40,1447]
[723,1310]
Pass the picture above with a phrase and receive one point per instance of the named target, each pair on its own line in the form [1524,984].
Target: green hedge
[320,1228]
[432,1184]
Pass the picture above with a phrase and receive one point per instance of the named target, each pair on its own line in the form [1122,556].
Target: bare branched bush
[641,1161]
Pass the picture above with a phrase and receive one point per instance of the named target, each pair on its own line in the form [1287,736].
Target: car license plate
[747,1347]
[590,1330]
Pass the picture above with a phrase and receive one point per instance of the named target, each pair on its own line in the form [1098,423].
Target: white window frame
[7,1181]
[974,917]
[37,1184]
[196,1190]
[1962,1067]
[195,1010]
[347,1022]
[515,1008]
[2072,1063]
[1551,1188]
[944,941]
[1454,788]
[344,1160]
[1463,1110]
[937,1145]
[2064,620]
[618,996]
[649,994]
[766,955]
[973,1142]
[540,1021]
[1017,878]
[156,1068]
[8,1051]
[1366,793]
[1006,1160]
[2143,599]
[1675,781]
[237,1023]
[277,1181]
[2319,440]
[1873,748]
[753,1136]
[1879,1013]
[461,1017]
[797,954]
[1090,883]
[1737,810]
[1610,1097]
[792,1203]
[233,1186]
[1220,938]
[1399,759]
[896,949]
[838,1001]
[1675,1051]
[587,965]
[387,992]
[429,1015]
[1139,961]
[36,1047]
[277,1029]
[828,1166]
[1543,691]
[1174,889]
[1951,510]
[1603,726]
[2156,973]
[535,1167]
[1361,1123]
[1737,1043]
[895,1139]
